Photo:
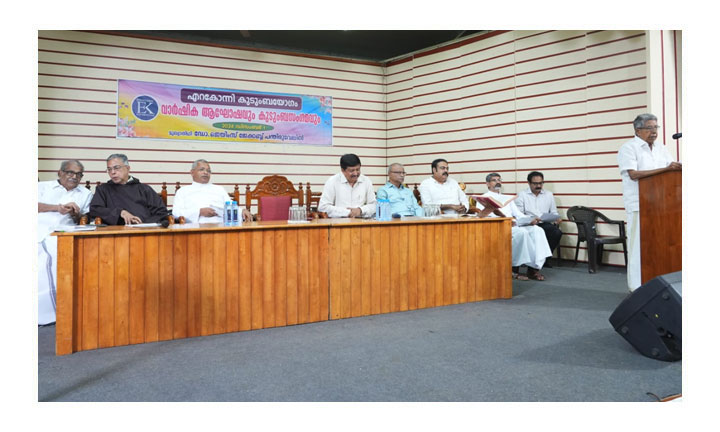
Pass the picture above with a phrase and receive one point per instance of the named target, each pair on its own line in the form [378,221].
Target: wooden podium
[661,224]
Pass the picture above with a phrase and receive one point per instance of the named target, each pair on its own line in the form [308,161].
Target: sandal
[519,276]
[535,274]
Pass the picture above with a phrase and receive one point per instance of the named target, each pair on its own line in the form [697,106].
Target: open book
[488,201]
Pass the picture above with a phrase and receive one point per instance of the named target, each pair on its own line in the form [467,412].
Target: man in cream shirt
[348,193]
[60,202]
[443,190]
[202,201]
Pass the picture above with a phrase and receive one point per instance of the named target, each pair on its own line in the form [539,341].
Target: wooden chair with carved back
[274,195]
[312,201]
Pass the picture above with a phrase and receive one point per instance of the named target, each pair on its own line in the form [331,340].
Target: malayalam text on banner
[168,111]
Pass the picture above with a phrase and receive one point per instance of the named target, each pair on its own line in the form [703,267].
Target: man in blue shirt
[402,201]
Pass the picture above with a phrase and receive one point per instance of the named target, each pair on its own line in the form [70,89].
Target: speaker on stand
[650,318]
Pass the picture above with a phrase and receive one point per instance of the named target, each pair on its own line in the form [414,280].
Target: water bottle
[386,211]
[383,210]
[235,218]
[227,214]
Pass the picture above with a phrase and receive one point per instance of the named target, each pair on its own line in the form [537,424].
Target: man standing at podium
[638,158]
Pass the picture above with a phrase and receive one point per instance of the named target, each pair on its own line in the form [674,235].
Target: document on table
[75,228]
[144,225]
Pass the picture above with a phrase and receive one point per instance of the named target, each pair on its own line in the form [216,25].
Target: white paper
[75,228]
[549,217]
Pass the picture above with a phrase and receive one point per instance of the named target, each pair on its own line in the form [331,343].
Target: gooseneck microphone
[677,135]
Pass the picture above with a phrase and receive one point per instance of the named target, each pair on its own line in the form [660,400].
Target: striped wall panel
[77,74]
[560,102]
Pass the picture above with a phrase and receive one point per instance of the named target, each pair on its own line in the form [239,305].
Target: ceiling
[369,45]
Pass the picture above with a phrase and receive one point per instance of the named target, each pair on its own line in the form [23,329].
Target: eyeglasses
[73,173]
[398,172]
[115,168]
[654,128]
[537,183]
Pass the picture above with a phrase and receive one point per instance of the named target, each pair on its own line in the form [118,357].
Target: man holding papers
[529,245]
[536,201]
[202,201]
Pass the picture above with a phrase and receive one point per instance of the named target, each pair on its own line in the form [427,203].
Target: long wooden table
[123,285]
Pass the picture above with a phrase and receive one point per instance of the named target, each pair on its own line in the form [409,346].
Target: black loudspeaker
[650,318]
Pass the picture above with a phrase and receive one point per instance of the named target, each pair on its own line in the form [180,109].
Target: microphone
[677,135]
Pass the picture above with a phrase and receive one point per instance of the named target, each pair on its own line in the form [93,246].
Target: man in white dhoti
[529,244]
[640,157]
[60,202]
[202,201]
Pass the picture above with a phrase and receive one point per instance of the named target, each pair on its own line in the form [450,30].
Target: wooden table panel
[166,294]
[280,278]
[232,283]
[90,294]
[245,281]
[119,286]
[122,290]
[194,306]
[106,292]
[180,285]
[219,293]
[291,281]
[152,288]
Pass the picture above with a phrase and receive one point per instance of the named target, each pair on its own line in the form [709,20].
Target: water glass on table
[297,214]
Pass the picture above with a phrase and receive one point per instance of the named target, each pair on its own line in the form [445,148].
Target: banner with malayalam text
[168,111]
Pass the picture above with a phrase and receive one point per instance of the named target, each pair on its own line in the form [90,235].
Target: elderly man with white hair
[60,202]
[640,157]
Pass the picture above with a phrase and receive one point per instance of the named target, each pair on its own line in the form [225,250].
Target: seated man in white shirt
[60,202]
[348,193]
[441,189]
[202,201]
[536,201]
[529,245]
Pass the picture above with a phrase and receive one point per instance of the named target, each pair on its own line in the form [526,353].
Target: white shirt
[433,192]
[636,155]
[52,192]
[338,197]
[536,205]
[509,210]
[190,199]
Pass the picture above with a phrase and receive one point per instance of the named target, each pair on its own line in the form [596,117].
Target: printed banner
[167,111]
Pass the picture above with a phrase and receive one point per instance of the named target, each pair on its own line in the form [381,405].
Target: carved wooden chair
[269,193]
[312,200]
[584,218]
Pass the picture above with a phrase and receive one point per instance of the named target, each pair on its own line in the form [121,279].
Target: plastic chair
[584,218]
